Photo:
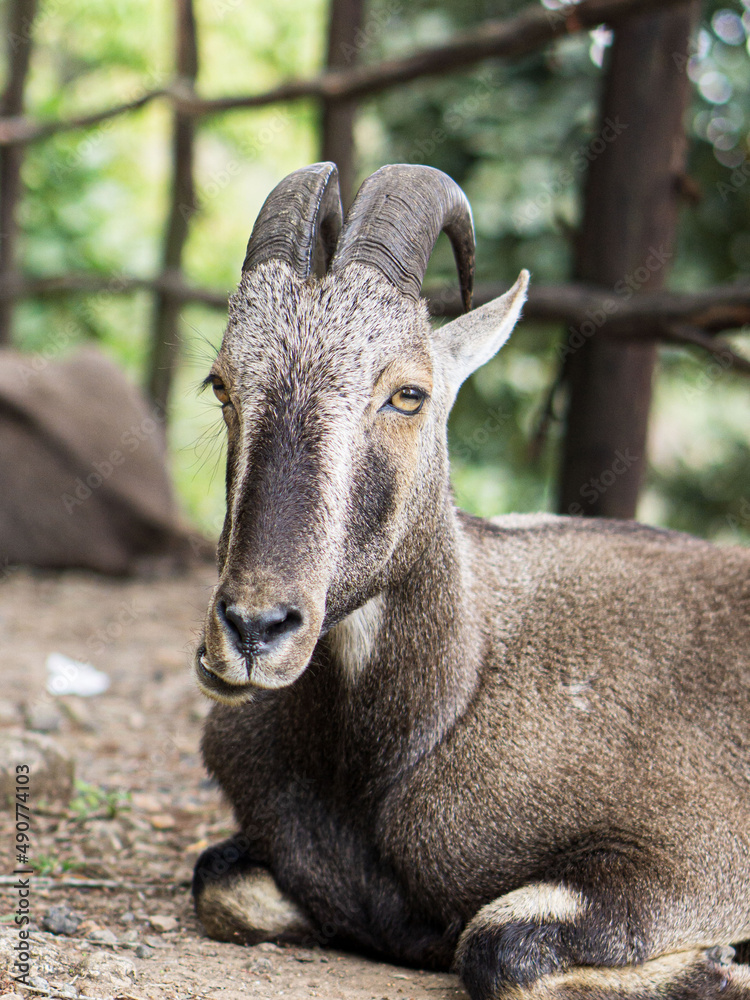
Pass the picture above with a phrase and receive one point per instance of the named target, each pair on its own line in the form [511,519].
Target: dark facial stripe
[281,497]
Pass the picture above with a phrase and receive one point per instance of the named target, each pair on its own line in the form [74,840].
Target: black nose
[254,634]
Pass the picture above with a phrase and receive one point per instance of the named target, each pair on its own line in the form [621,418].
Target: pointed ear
[471,340]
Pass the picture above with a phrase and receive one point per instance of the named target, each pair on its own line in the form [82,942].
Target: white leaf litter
[68,676]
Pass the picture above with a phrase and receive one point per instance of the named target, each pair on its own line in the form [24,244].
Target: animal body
[517,748]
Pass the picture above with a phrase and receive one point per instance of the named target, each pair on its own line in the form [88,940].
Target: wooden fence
[607,356]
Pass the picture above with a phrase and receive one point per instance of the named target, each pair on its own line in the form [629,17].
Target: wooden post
[20,19]
[337,141]
[625,244]
[165,343]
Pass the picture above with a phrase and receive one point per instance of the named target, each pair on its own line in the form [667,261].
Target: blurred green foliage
[515,137]
[512,134]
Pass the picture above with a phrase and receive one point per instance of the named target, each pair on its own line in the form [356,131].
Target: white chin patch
[354,639]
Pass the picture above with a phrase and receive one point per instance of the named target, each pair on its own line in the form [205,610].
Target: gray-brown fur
[521,747]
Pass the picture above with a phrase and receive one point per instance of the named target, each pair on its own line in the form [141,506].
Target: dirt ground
[119,853]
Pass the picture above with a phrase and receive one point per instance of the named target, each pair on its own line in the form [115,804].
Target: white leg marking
[252,907]
[539,902]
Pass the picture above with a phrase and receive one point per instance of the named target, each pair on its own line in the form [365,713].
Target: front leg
[699,974]
[238,900]
[603,910]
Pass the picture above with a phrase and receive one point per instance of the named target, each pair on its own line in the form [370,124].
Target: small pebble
[127,917]
[162,821]
[260,965]
[50,768]
[61,920]
[130,937]
[102,936]
[306,956]
[163,923]
[42,718]
[143,951]
[39,983]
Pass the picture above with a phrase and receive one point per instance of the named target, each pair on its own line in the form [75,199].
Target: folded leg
[686,975]
[238,900]
[597,912]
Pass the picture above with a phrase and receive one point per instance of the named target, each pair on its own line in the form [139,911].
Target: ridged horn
[303,207]
[398,213]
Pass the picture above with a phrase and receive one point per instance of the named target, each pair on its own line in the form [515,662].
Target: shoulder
[556,526]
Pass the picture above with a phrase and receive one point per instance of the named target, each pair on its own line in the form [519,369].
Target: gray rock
[112,969]
[60,920]
[305,955]
[102,935]
[50,769]
[143,951]
[163,922]
[42,717]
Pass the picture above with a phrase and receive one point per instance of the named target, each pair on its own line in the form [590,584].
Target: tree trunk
[20,19]
[165,345]
[337,141]
[625,244]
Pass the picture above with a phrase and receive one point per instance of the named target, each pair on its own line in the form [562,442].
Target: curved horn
[305,205]
[398,214]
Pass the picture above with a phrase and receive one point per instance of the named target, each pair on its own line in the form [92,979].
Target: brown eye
[407,400]
[221,393]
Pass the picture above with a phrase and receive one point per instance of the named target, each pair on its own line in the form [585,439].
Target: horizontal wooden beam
[20,130]
[587,308]
[584,309]
[529,31]
[93,284]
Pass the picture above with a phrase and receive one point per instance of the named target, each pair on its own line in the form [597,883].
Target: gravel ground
[116,850]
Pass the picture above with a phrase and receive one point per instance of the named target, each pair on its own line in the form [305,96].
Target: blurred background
[614,164]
